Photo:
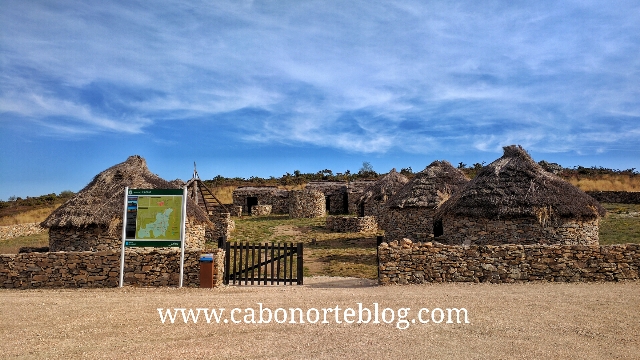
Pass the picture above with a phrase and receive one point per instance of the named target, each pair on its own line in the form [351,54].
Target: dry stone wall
[261,210]
[102,269]
[620,197]
[474,231]
[351,224]
[405,262]
[335,192]
[415,223]
[306,204]
[12,231]
[277,198]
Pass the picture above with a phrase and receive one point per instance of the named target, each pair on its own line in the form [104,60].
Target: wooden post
[300,269]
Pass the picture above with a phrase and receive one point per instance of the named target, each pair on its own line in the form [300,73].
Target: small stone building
[355,189]
[335,193]
[410,212]
[372,200]
[248,196]
[514,200]
[92,219]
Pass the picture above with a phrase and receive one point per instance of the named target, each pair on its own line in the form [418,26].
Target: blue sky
[266,87]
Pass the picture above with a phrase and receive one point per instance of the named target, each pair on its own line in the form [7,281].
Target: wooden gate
[263,264]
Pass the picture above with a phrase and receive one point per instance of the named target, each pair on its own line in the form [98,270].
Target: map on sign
[159,217]
[154,217]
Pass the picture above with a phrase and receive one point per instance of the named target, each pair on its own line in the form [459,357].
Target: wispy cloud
[359,76]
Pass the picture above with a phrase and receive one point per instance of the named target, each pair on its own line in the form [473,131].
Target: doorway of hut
[251,200]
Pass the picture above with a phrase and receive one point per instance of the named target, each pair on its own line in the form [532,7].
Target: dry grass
[536,321]
[11,246]
[29,216]
[608,183]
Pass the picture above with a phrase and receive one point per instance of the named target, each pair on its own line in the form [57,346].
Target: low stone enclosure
[261,210]
[351,224]
[12,231]
[620,197]
[89,269]
[306,204]
[406,262]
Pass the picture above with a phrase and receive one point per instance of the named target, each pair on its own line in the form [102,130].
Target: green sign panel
[154,218]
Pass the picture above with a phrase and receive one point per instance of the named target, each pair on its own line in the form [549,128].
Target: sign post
[154,218]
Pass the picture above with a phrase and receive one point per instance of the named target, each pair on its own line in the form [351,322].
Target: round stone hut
[306,204]
[514,200]
[410,212]
[92,219]
[372,200]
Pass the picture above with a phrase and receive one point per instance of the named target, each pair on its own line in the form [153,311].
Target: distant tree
[406,171]
[367,170]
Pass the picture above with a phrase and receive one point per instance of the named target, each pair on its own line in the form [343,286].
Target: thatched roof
[384,188]
[515,186]
[101,202]
[430,187]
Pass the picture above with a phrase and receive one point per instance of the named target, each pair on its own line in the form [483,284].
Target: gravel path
[541,320]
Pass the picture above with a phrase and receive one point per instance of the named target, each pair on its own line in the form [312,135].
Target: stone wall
[223,226]
[306,204]
[405,262]
[12,231]
[102,269]
[351,224]
[475,231]
[228,208]
[261,210]
[355,189]
[277,198]
[620,197]
[415,223]
[99,238]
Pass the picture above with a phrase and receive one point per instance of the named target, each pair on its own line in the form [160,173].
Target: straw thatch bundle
[101,201]
[515,186]
[430,187]
[384,188]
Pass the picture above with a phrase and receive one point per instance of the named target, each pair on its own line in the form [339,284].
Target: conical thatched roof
[515,186]
[384,188]
[430,187]
[101,202]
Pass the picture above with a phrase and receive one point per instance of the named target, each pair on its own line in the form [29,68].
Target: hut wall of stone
[354,191]
[99,238]
[223,225]
[405,262]
[415,223]
[351,224]
[306,204]
[524,231]
[102,269]
[277,198]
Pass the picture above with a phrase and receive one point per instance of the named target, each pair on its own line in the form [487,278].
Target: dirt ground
[535,320]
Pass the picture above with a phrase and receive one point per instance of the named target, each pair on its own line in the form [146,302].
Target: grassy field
[621,224]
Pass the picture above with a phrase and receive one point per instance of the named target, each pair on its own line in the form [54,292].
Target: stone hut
[371,201]
[355,189]
[306,204]
[92,219]
[410,212]
[248,196]
[514,200]
[335,193]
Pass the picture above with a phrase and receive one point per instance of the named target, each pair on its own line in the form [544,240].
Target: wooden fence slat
[243,259]
[300,269]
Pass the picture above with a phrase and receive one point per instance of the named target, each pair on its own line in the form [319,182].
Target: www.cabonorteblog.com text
[403,318]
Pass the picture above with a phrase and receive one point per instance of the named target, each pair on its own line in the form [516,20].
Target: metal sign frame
[129,219]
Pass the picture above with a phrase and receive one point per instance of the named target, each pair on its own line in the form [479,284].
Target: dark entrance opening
[345,203]
[437,228]
[327,200]
[361,209]
[251,200]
